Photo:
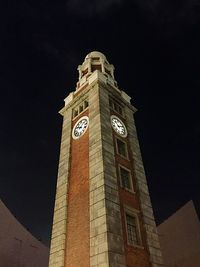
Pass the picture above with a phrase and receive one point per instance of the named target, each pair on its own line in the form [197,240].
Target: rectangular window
[95,67]
[95,58]
[80,108]
[125,178]
[122,148]
[132,231]
[120,110]
[75,113]
[116,106]
[110,103]
[86,104]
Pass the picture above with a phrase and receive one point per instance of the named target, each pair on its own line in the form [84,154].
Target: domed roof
[95,54]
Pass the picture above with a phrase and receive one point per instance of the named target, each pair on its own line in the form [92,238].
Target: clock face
[80,127]
[118,126]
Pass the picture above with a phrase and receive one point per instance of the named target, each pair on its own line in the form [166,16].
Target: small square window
[110,103]
[132,229]
[126,179]
[80,108]
[120,110]
[115,107]
[86,104]
[75,113]
[121,148]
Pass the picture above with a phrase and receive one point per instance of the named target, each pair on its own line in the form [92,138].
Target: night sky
[155,48]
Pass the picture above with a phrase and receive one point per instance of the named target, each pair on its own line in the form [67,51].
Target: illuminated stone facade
[103,215]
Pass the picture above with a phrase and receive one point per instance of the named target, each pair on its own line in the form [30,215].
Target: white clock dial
[118,126]
[80,127]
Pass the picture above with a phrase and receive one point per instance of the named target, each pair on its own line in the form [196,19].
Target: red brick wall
[137,257]
[77,242]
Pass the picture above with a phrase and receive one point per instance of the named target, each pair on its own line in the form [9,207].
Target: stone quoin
[103,214]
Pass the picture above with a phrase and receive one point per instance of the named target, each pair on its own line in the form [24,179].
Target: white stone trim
[106,238]
[82,118]
[115,117]
[126,97]
[59,228]
[134,213]
[69,98]
[131,178]
[126,147]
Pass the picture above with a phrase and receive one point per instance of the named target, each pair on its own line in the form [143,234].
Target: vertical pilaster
[106,241]
[145,202]
[114,225]
[58,239]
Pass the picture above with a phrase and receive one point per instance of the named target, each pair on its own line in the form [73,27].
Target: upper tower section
[95,65]
[96,68]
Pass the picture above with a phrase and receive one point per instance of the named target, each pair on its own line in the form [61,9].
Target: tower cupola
[95,62]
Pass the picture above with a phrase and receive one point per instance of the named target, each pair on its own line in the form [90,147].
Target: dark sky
[154,46]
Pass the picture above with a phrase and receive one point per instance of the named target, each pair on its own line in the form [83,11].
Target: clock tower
[103,215]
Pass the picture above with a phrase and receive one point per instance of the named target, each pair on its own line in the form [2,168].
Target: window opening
[86,104]
[116,106]
[121,148]
[75,113]
[125,178]
[132,232]
[80,108]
